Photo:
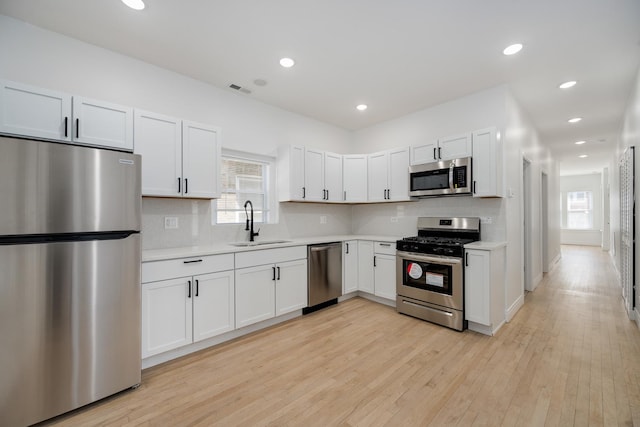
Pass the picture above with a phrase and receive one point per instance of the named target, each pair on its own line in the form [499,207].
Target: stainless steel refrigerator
[69,277]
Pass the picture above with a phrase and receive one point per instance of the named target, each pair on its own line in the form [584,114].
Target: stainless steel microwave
[446,177]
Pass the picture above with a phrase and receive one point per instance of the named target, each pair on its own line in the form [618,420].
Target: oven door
[441,178]
[430,278]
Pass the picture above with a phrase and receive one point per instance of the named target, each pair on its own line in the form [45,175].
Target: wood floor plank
[569,357]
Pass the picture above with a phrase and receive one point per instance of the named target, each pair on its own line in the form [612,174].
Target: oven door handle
[410,256]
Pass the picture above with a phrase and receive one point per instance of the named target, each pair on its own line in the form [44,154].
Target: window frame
[590,210]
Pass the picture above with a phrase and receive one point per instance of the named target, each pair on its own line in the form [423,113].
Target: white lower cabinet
[276,286]
[350,266]
[177,311]
[366,277]
[385,276]
[377,268]
[484,289]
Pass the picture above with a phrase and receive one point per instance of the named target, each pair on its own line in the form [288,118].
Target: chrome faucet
[249,226]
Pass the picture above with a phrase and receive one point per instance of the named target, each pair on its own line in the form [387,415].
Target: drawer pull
[192,261]
[385,244]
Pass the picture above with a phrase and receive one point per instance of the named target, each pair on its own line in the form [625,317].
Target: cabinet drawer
[182,267]
[385,248]
[270,256]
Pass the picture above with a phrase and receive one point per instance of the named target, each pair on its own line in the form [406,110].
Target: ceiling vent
[239,88]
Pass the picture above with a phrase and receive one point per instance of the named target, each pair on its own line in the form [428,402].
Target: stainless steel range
[430,270]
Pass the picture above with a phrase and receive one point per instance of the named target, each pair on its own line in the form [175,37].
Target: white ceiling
[396,56]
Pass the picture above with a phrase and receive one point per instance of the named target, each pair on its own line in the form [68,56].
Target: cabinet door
[350,266]
[102,123]
[158,139]
[454,147]
[200,160]
[333,176]
[385,276]
[314,175]
[354,175]
[398,174]
[291,286]
[487,168]
[166,315]
[31,111]
[296,165]
[366,278]
[377,176]
[477,291]
[424,153]
[213,304]
[255,294]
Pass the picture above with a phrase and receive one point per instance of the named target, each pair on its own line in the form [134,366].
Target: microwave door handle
[451,175]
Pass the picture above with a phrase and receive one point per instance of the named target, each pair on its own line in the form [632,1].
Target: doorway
[526,223]
[544,215]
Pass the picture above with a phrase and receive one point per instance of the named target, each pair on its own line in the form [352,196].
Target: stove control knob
[448,251]
[438,250]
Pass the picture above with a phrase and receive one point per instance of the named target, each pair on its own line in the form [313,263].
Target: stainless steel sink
[262,242]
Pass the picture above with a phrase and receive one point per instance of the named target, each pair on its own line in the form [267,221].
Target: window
[580,210]
[242,179]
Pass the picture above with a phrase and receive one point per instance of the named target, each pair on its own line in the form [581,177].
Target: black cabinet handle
[345,195]
[385,244]
[179,186]
[192,261]
[186,186]
[474,187]
[347,248]
[77,128]
[374,261]
[274,273]
[327,194]
[66,125]
[278,272]
[440,152]
[466,260]
[197,287]
[304,192]
[188,288]
[434,154]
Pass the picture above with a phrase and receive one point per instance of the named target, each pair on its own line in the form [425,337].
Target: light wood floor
[570,357]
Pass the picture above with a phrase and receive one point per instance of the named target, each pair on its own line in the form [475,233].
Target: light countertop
[483,245]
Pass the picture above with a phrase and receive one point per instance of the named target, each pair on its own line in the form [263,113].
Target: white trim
[536,281]
[484,329]
[517,305]
[379,300]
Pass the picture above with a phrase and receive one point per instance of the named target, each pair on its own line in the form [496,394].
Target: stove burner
[438,237]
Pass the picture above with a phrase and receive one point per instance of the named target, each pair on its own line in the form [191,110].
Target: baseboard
[536,281]
[517,305]
[379,300]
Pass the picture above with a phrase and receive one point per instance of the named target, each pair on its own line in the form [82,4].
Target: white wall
[31,55]
[590,182]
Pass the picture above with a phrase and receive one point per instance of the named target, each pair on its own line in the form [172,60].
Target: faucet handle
[256,233]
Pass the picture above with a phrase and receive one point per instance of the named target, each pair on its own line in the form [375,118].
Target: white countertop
[484,245]
[227,247]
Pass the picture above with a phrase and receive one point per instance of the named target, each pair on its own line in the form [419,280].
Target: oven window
[430,180]
[427,276]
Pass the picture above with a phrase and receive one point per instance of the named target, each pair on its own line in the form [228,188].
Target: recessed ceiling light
[362,107]
[567,85]
[582,156]
[575,120]
[513,49]
[134,4]
[580,142]
[287,62]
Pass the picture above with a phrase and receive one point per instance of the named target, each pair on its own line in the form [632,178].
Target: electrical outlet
[394,219]
[323,219]
[170,222]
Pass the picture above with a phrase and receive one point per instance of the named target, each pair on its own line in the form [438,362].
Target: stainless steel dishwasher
[324,275]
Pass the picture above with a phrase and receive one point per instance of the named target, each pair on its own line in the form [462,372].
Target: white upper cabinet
[488,168]
[200,160]
[31,111]
[448,148]
[40,113]
[314,190]
[333,177]
[291,173]
[103,124]
[179,158]
[454,147]
[355,177]
[388,175]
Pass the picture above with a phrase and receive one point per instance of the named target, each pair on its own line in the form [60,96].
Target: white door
[454,147]
[477,292]
[398,174]
[377,175]
[200,160]
[102,123]
[333,176]
[32,111]
[366,277]
[291,286]
[350,266]
[166,315]
[355,177]
[314,175]
[255,294]
[158,139]
[385,276]
[213,304]
[424,153]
